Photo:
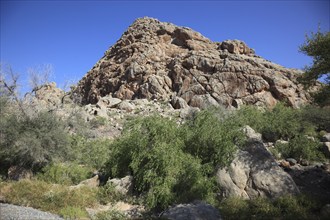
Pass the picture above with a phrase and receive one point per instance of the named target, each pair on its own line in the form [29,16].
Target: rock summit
[159,60]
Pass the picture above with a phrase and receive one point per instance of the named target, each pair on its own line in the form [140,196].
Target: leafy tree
[317,46]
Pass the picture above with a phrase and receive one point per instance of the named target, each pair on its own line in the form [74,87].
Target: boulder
[251,134]
[193,211]
[253,173]
[123,185]
[326,137]
[108,102]
[178,103]
[326,149]
[92,183]
[126,106]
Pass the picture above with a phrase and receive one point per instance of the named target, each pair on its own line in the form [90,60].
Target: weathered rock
[18,173]
[123,185]
[108,102]
[326,137]
[326,149]
[251,134]
[126,105]
[253,173]
[157,60]
[178,102]
[92,183]
[193,211]
[236,47]
[292,161]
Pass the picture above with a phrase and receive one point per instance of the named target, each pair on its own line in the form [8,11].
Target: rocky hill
[159,60]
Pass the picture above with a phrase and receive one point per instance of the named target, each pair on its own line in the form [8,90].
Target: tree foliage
[317,46]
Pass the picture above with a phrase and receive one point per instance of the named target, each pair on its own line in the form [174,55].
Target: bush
[211,137]
[67,174]
[300,147]
[92,153]
[319,117]
[281,123]
[172,163]
[108,193]
[32,142]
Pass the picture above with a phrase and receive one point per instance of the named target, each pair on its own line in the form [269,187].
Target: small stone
[285,164]
[292,161]
[304,162]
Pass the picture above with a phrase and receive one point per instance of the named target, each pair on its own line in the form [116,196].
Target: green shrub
[108,193]
[211,137]
[300,147]
[67,174]
[152,150]
[319,117]
[32,142]
[93,153]
[281,123]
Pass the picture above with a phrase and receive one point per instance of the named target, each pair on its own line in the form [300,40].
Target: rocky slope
[158,60]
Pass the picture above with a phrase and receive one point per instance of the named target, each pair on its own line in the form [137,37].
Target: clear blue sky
[73,35]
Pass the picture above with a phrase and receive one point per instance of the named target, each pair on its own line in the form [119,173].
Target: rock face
[254,173]
[158,60]
[193,211]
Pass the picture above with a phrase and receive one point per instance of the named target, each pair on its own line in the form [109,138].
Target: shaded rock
[326,137]
[313,181]
[194,211]
[326,149]
[123,185]
[253,173]
[18,173]
[292,161]
[325,211]
[178,102]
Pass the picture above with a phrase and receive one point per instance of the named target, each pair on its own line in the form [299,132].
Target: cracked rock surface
[159,60]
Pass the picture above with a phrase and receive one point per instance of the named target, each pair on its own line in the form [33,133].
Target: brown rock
[157,60]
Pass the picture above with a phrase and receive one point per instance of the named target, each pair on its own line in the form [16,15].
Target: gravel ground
[14,212]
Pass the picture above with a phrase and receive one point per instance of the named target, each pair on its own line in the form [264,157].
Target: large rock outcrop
[254,172]
[158,60]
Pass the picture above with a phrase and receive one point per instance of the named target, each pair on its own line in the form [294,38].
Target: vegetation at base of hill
[156,152]
[286,207]
[32,142]
[65,174]
[59,199]
[71,203]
